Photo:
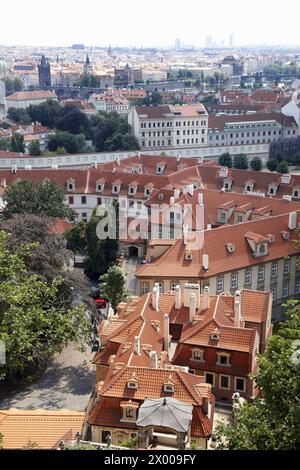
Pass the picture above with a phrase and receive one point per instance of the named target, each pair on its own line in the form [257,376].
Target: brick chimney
[238,319]
[153,357]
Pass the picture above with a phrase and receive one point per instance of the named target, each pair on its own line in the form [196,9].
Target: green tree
[18,84]
[225,160]
[272,164]
[283,167]
[35,148]
[17,144]
[32,326]
[256,164]
[4,144]
[46,113]
[272,421]
[240,161]
[72,120]
[102,254]
[30,197]
[130,142]
[76,237]
[113,286]
[70,142]
[19,116]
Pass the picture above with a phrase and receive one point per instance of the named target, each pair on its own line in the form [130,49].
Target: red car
[101,303]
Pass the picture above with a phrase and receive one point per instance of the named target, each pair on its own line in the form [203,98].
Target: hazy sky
[153,23]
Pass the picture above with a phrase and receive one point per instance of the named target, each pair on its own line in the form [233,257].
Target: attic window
[99,187]
[160,197]
[71,186]
[132,384]
[215,335]
[159,169]
[188,255]
[230,247]
[262,249]
[169,387]
[115,189]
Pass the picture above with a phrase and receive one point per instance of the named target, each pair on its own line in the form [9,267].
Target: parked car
[101,303]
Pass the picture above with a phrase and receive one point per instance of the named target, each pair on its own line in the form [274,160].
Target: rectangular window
[297,286]
[239,384]
[285,289]
[145,288]
[223,360]
[173,286]
[274,270]
[224,381]
[71,200]
[105,435]
[210,378]
[274,293]
[261,274]
[220,285]
[248,278]
[83,199]
[234,281]
[286,266]
[198,355]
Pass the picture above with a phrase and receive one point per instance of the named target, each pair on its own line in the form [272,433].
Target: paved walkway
[67,384]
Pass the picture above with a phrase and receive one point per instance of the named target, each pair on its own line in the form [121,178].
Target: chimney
[238,320]
[200,199]
[166,333]
[176,193]
[153,357]
[3,182]
[292,220]
[172,200]
[155,297]
[188,290]
[205,262]
[185,228]
[206,298]
[137,345]
[177,297]
[192,311]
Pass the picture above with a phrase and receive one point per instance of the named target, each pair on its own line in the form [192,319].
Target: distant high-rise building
[177,44]
[231,42]
[44,73]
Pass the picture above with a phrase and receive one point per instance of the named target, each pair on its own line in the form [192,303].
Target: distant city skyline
[118,23]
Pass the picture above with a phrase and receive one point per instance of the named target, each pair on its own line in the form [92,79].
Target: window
[297,286]
[234,281]
[274,270]
[210,378]
[262,249]
[239,219]
[99,187]
[223,359]
[197,355]
[129,413]
[99,201]
[132,384]
[220,285]
[71,200]
[83,199]
[84,216]
[274,292]
[173,286]
[261,274]
[248,278]
[105,435]
[224,381]
[222,217]
[169,388]
[285,289]
[286,266]
[145,288]
[239,384]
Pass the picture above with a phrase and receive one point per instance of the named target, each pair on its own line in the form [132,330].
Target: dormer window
[296,193]
[262,249]
[272,189]
[99,186]
[116,188]
[215,335]
[147,192]
[133,383]
[169,386]
[222,216]
[129,411]
[71,185]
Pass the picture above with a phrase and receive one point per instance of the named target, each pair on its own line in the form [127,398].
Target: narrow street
[66,384]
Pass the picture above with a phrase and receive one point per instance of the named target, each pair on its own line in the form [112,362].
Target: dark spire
[87,60]
[43,60]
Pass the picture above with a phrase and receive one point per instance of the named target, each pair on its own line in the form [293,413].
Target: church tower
[87,66]
[44,73]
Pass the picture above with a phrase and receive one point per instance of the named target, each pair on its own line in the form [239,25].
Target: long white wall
[65,161]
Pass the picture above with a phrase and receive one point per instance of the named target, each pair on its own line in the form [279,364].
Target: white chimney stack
[237,310]
[177,297]
[192,311]
[153,357]
[185,229]
[205,262]
[166,333]
[188,290]
[292,220]
[155,297]
[176,193]
[172,200]
[137,345]
[223,172]
[206,298]
[200,199]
